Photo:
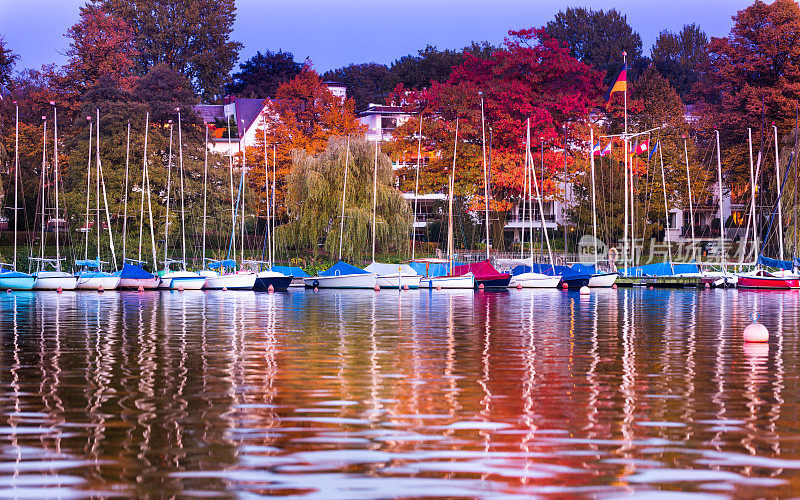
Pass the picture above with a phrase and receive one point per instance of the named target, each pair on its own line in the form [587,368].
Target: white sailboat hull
[230,281]
[465,281]
[534,280]
[53,280]
[398,281]
[342,281]
[95,282]
[606,280]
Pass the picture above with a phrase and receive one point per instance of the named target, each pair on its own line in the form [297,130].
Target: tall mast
[241,188]
[721,214]
[666,211]
[486,192]
[44,180]
[752,195]
[564,204]
[183,210]
[141,204]
[524,211]
[689,186]
[450,204]
[97,192]
[344,197]
[55,182]
[594,201]
[169,185]
[274,215]
[794,246]
[88,190]
[16,179]
[205,199]
[125,212]
[538,196]
[149,197]
[374,200]
[102,181]
[416,191]
[778,190]
[232,245]
[266,188]
[625,168]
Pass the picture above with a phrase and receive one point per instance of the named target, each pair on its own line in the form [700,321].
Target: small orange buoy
[100,289]
[405,287]
[180,288]
[377,288]
[565,285]
[59,290]
[438,287]
[480,287]
[519,286]
[271,289]
[614,286]
[224,288]
[315,289]
[140,289]
[707,285]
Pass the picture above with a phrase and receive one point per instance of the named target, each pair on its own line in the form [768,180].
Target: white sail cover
[385,269]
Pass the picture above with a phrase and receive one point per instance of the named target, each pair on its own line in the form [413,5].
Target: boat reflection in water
[429,393]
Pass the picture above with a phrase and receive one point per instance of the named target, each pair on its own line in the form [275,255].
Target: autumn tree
[366,83]
[680,57]
[261,75]
[531,76]
[431,65]
[189,36]
[102,48]
[598,38]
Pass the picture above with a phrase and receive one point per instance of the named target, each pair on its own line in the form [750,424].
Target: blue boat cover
[134,272]
[290,271]
[778,264]
[585,269]
[342,268]
[661,269]
[229,263]
[87,263]
[434,270]
[7,273]
[547,269]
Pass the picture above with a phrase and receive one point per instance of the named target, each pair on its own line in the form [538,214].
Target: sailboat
[449,281]
[10,277]
[227,277]
[132,275]
[56,279]
[267,278]
[181,279]
[389,275]
[91,275]
[598,280]
[525,275]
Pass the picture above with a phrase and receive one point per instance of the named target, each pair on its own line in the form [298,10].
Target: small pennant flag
[621,85]
[652,151]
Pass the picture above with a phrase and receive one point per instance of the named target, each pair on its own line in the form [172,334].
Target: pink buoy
[519,286]
[377,288]
[614,286]
[100,289]
[707,285]
[405,287]
[180,288]
[59,290]
[755,331]
[480,287]
[140,289]
[649,287]
[565,285]
[271,289]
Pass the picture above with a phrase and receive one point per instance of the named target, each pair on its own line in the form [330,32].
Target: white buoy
[755,331]
[585,290]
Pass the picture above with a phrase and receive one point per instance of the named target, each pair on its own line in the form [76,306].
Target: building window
[388,124]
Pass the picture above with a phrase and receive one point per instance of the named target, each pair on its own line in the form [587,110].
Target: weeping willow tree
[314,194]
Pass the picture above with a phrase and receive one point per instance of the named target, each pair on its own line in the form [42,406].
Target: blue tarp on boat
[547,269]
[778,264]
[229,263]
[585,269]
[342,268]
[7,273]
[133,272]
[290,271]
[661,269]
[87,263]
[434,270]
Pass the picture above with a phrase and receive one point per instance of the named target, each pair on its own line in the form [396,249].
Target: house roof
[209,112]
[247,110]
[378,109]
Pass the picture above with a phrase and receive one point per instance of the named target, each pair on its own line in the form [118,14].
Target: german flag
[621,85]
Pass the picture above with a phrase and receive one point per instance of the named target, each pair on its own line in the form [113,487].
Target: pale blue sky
[335,33]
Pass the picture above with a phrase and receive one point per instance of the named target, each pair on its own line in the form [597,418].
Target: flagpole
[625,166]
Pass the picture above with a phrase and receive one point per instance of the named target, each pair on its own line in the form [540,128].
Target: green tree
[189,36]
[680,57]
[366,83]
[599,37]
[261,75]
[7,60]
[315,199]
[432,65]
[164,89]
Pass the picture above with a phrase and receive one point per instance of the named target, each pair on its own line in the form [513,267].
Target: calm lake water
[357,394]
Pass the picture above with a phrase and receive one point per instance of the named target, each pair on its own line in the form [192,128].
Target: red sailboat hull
[768,282]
